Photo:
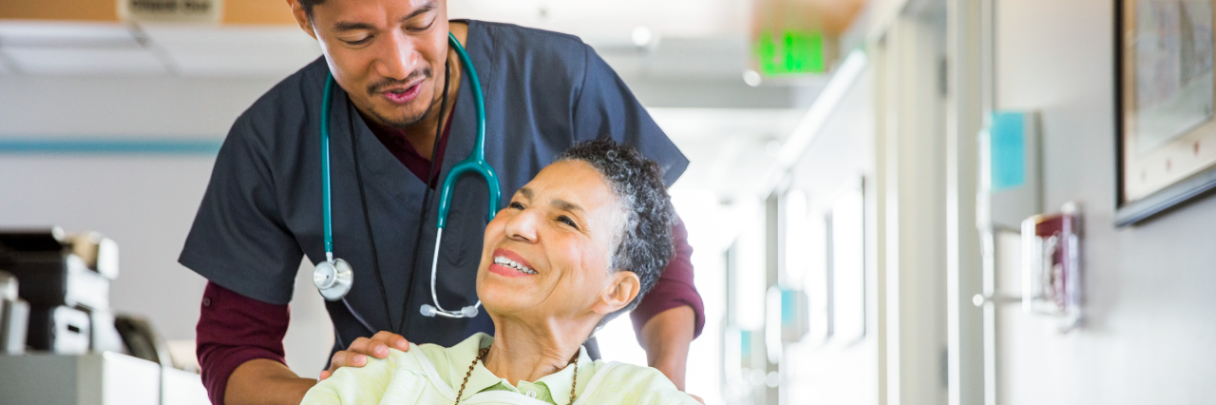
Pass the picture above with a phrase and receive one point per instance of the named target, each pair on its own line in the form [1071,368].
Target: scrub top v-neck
[261,213]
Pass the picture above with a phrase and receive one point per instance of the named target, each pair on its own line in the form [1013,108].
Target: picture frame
[1166,105]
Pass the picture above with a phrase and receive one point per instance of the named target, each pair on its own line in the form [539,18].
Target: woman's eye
[566,220]
[516,205]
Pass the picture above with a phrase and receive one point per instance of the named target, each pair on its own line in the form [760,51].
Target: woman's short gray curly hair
[644,245]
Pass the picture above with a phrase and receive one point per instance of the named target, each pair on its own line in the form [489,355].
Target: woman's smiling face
[547,254]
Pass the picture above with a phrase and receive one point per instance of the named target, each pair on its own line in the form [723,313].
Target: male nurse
[402,115]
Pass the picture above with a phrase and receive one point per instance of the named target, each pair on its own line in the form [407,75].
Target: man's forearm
[666,338]
[265,382]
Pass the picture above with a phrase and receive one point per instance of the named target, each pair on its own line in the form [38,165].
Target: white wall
[832,371]
[1150,290]
[144,202]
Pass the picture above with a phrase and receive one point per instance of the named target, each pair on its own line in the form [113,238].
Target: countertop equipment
[66,281]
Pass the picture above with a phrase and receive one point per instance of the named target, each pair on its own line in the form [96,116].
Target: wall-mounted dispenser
[1051,265]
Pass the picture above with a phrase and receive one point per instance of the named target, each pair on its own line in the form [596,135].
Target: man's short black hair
[308,5]
[643,245]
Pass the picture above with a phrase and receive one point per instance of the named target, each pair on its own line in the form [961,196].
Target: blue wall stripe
[105,146]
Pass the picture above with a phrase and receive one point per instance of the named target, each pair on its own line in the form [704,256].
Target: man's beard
[402,123]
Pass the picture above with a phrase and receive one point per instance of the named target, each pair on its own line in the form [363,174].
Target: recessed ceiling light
[752,78]
[642,36]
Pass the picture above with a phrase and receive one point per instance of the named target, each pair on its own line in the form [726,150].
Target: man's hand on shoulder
[356,354]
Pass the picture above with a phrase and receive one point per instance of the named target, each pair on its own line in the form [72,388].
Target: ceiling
[114,49]
[687,70]
[615,20]
[716,28]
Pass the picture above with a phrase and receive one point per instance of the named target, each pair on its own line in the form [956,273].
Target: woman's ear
[623,287]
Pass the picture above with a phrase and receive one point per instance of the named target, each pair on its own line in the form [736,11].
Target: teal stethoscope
[334,277]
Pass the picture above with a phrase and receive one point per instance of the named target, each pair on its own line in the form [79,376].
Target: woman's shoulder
[624,383]
[398,374]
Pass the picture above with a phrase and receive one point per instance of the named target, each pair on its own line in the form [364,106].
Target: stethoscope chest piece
[333,279]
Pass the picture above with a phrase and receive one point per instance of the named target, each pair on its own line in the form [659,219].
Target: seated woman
[578,245]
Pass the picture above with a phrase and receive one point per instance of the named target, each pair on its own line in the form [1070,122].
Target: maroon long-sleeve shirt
[233,329]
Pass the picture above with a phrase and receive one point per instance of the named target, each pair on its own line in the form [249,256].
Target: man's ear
[623,287]
[297,11]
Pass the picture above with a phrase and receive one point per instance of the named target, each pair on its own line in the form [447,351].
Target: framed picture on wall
[1166,126]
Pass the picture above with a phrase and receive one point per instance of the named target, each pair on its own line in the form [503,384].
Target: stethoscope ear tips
[469,311]
[428,311]
[333,279]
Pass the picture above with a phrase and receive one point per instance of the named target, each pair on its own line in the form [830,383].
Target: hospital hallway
[888,202]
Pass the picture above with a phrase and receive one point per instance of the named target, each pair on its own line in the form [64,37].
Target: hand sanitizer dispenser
[1010,171]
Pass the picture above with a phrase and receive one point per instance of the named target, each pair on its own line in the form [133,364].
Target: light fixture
[642,36]
[752,78]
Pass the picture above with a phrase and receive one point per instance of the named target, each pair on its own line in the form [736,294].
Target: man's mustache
[380,85]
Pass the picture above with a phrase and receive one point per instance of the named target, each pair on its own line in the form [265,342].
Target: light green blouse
[431,374]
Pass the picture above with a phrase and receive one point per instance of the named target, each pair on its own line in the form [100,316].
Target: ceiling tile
[606,20]
[65,34]
[234,51]
[239,64]
[221,39]
[716,58]
[84,62]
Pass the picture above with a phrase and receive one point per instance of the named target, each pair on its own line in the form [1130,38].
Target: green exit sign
[790,52]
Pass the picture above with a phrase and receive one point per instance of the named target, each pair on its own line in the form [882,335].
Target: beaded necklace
[481,355]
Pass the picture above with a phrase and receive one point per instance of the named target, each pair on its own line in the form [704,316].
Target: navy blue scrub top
[544,92]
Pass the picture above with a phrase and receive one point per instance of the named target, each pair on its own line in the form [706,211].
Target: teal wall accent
[109,146]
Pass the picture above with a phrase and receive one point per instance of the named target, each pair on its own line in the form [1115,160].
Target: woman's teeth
[512,264]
